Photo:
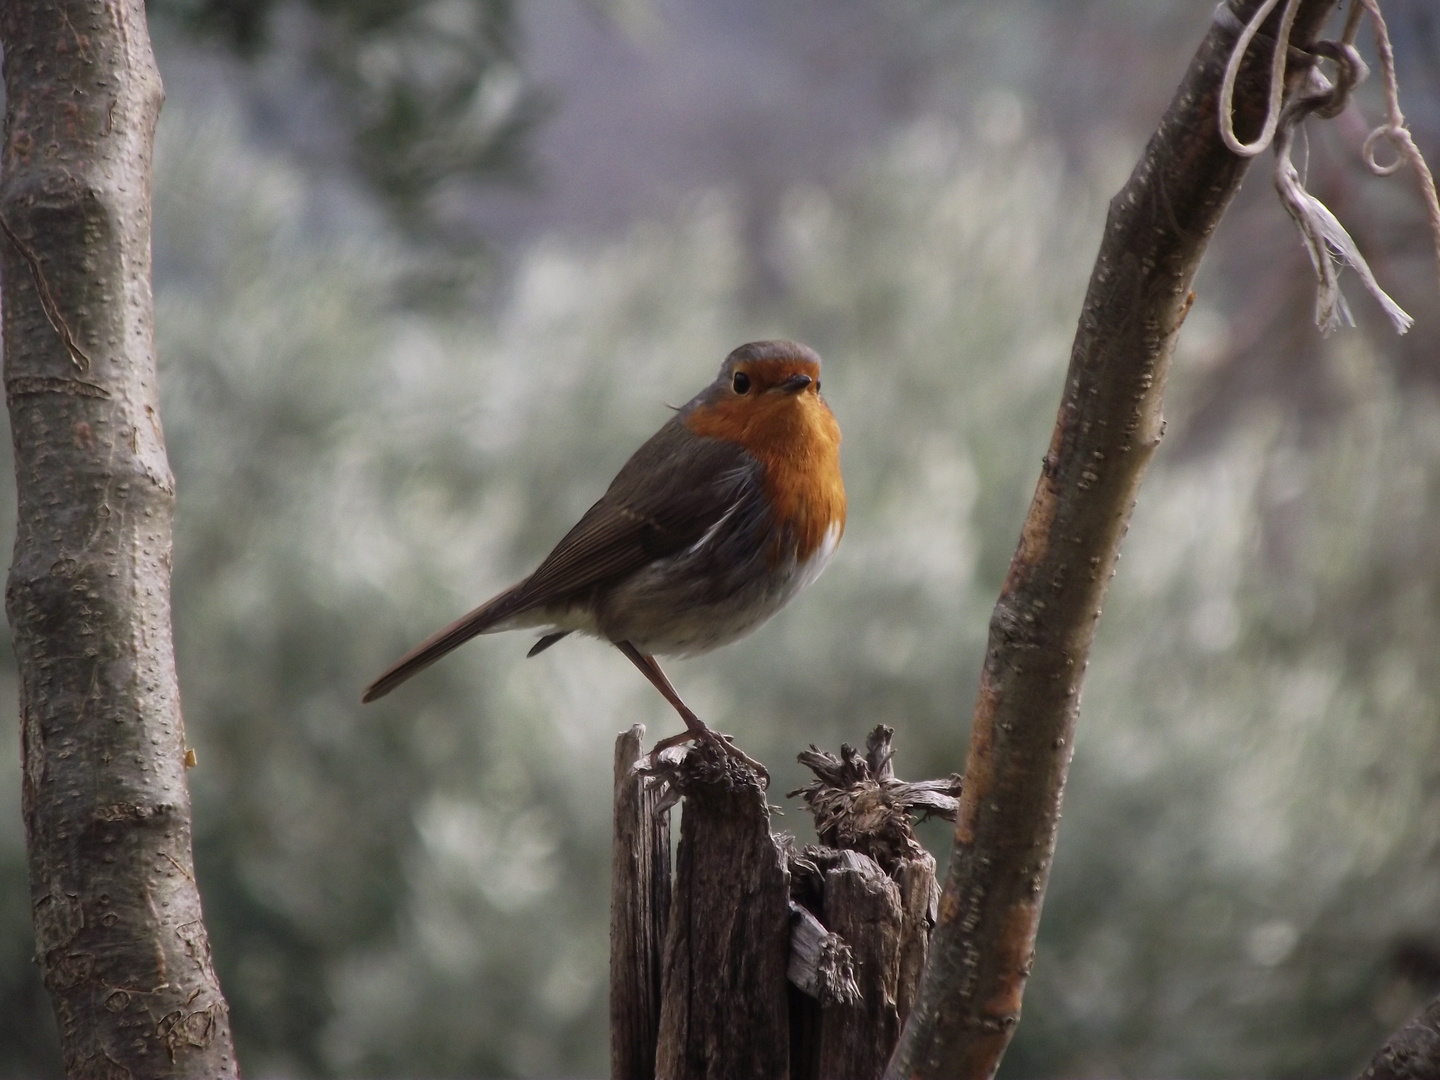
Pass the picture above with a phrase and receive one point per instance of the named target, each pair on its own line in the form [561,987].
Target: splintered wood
[639,904]
[783,962]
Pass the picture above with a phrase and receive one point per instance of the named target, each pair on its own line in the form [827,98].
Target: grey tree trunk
[119,936]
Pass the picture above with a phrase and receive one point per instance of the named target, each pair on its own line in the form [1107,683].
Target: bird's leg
[650,668]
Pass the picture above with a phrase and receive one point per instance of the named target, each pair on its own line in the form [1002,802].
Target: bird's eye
[817,386]
[741,383]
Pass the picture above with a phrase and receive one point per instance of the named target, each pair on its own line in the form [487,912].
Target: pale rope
[1324,237]
[1277,76]
[1394,127]
[1321,232]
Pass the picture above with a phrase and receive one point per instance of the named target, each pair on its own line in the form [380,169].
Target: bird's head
[767,398]
[767,369]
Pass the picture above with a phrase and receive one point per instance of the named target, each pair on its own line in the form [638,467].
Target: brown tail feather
[445,641]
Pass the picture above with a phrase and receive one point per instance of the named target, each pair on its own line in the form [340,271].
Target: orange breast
[796,438]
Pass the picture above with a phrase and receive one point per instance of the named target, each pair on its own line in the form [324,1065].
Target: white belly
[660,618]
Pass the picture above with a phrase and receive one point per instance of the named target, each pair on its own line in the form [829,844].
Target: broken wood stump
[873,884]
[779,961]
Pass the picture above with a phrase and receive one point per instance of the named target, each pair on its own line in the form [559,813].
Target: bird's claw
[723,742]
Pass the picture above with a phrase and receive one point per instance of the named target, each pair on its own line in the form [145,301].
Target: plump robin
[711,527]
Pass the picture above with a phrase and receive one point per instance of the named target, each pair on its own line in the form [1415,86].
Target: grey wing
[667,497]
[672,491]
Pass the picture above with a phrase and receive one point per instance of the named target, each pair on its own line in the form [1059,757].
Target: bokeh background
[427,272]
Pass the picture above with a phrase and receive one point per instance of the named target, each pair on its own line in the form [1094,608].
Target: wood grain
[639,904]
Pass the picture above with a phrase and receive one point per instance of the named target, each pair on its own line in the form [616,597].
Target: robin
[711,527]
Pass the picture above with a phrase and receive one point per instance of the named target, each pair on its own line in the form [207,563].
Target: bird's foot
[723,742]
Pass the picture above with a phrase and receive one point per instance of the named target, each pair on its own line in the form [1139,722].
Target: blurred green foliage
[420,100]
[1246,882]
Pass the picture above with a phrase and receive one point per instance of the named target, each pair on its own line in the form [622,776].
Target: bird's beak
[794,384]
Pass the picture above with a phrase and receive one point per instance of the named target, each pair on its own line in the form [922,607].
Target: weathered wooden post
[723,1010]
[639,903]
[779,962]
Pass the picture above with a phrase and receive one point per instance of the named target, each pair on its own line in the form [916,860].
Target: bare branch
[1108,426]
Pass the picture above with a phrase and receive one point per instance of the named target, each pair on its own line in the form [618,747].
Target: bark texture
[1412,1053]
[119,936]
[725,1012]
[639,904]
[1108,427]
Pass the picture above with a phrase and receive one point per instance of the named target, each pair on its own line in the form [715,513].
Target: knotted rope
[1325,239]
